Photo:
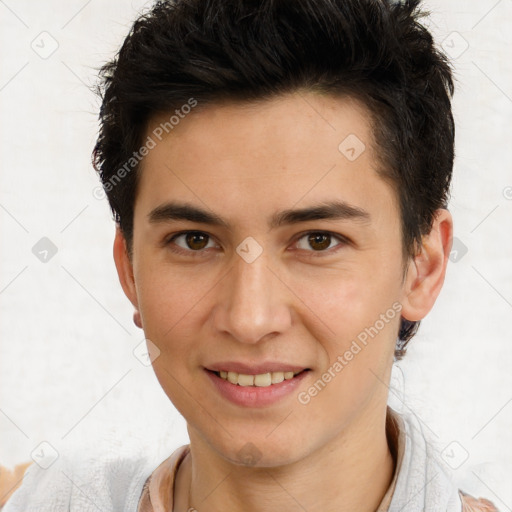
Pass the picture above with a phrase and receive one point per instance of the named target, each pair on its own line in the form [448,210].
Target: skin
[297,302]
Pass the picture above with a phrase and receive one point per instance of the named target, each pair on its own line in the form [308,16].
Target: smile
[260,380]
[256,390]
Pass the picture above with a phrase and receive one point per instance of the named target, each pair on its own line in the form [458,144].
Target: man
[279,173]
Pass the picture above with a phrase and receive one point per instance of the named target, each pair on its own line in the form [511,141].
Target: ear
[426,271]
[125,269]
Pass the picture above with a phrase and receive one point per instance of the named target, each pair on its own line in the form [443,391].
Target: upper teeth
[261,380]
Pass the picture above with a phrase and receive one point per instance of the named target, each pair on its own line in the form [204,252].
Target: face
[264,285]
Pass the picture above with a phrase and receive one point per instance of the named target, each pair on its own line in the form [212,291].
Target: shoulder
[471,504]
[10,480]
[40,489]
[82,483]
[424,482]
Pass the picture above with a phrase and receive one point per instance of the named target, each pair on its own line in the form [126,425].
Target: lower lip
[254,396]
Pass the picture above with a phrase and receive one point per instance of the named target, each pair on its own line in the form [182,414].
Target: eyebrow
[333,210]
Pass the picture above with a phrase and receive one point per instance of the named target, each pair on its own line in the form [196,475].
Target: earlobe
[124,268]
[137,320]
[426,272]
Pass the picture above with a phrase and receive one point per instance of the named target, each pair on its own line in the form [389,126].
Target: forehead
[264,155]
[274,127]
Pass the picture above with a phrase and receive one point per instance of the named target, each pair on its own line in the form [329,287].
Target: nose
[252,302]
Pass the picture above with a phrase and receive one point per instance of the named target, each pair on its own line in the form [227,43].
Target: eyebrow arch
[333,210]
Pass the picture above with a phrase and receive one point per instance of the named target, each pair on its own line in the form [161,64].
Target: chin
[261,453]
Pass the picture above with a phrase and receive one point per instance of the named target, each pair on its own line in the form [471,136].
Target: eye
[320,242]
[191,242]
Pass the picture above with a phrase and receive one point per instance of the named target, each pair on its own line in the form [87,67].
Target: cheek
[345,301]
[352,317]
[356,343]
[170,304]
[170,300]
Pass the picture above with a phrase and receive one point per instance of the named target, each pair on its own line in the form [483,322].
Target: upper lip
[255,368]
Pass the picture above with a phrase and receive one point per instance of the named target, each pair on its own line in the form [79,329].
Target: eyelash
[314,254]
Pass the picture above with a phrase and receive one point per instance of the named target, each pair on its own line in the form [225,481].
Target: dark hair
[213,50]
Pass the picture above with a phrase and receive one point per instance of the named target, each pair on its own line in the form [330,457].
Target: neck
[351,472]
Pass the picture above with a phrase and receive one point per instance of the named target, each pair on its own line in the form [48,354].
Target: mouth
[261,380]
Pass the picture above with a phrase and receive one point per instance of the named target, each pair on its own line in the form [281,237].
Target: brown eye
[189,242]
[196,241]
[319,242]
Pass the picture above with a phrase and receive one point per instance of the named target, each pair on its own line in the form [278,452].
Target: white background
[67,369]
